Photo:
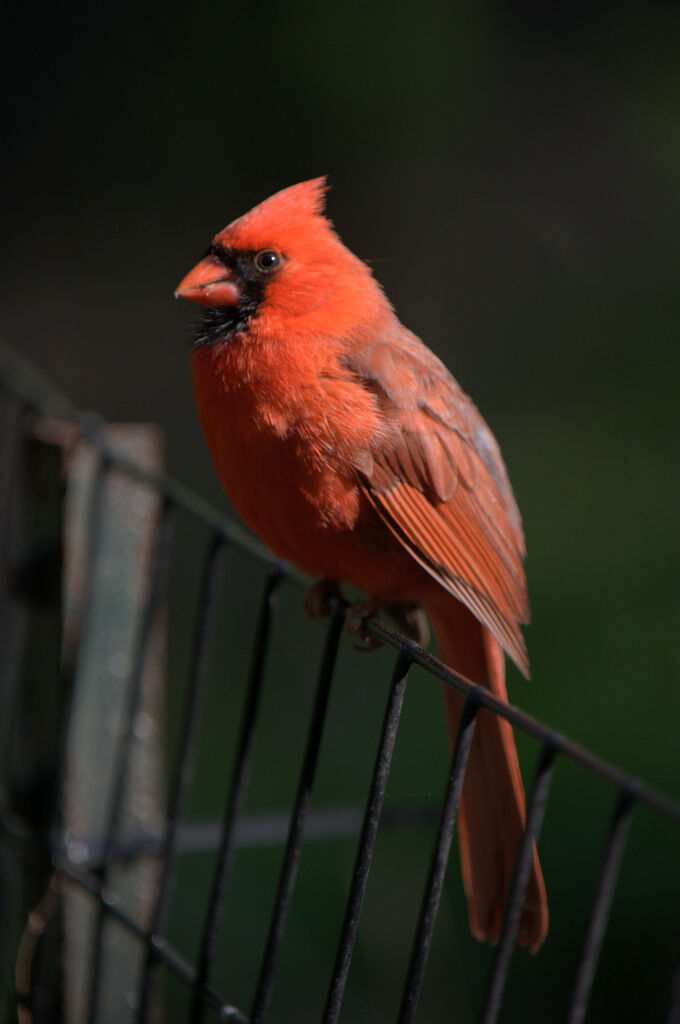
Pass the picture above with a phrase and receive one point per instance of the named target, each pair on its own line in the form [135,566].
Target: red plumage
[351,451]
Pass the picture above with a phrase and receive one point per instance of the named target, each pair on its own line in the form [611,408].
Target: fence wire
[91,870]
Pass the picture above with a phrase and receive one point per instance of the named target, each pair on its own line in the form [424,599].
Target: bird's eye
[267,260]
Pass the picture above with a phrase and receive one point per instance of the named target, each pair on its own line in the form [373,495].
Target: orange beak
[211,284]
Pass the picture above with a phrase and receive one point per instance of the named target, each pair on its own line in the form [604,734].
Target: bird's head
[282,266]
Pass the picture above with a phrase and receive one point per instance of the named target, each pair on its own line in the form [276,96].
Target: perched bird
[351,451]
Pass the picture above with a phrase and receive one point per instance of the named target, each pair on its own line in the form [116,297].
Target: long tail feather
[492,809]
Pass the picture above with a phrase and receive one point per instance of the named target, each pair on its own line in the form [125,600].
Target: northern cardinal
[351,451]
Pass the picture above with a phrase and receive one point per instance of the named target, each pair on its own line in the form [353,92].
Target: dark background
[514,176]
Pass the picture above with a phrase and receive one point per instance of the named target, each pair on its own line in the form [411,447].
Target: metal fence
[43,859]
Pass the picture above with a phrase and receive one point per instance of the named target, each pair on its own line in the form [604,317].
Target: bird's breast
[283,458]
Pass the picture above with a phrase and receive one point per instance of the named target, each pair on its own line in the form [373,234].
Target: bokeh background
[513,173]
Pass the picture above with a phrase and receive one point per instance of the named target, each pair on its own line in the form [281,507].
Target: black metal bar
[369,832]
[180,495]
[601,905]
[513,908]
[293,849]
[122,758]
[239,778]
[23,381]
[42,398]
[170,957]
[440,857]
[183,760]
[668,807]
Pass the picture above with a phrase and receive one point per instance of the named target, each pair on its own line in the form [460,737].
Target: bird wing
[437,479]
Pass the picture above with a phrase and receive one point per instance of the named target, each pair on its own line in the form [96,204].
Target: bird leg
[411,620]
[318,603]
[319,598]
[408,617]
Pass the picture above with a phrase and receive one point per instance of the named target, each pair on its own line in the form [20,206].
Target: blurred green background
[513,174]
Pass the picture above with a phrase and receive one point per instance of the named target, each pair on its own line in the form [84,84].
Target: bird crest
[298,208]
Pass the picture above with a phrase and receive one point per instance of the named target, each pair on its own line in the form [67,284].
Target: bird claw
[355,624]
[318,602]
[409,618]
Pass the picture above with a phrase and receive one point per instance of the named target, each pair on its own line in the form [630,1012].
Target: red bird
[351,451]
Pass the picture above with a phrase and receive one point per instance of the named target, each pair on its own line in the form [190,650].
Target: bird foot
[318,603]
[411,620]
[355,624]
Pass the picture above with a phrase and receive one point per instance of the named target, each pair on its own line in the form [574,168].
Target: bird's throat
[220,324]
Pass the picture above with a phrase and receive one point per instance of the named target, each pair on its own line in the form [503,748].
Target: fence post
[111,525]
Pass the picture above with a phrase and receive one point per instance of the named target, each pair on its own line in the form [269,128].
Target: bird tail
[492,807]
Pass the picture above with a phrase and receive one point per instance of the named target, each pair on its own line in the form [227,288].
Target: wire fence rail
[54,862]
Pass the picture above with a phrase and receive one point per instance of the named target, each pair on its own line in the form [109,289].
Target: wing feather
[438,481]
